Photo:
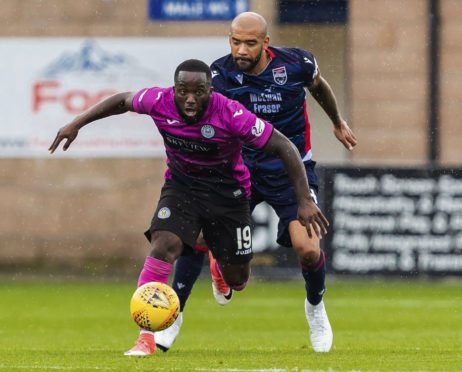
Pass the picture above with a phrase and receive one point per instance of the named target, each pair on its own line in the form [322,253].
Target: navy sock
[187,270]
[315,278]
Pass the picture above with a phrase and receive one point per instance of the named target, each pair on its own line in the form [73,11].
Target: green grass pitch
[378,326]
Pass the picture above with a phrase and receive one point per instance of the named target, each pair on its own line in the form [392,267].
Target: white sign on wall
[48,81]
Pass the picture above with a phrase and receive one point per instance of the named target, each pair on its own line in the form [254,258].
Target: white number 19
[244,237]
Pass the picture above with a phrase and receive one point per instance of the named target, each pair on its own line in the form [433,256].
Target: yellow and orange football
[154,306]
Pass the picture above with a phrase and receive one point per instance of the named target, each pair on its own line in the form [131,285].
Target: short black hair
[194,65]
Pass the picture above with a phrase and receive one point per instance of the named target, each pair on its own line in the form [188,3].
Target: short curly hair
[194,65]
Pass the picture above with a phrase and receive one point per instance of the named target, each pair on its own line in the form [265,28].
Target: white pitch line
[3,366]
[264,370]
[96,368]
[285,370]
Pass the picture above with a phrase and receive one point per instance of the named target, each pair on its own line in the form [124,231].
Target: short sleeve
[309,66]
[145,99]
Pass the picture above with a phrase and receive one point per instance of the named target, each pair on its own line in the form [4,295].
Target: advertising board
[393,221]
[48,81]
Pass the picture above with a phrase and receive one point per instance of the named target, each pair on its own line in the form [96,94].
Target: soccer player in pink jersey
[207,185]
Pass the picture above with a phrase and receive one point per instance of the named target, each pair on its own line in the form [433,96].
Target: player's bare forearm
[324,95]
[114,105]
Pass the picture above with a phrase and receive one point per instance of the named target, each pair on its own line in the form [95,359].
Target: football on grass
[154,306]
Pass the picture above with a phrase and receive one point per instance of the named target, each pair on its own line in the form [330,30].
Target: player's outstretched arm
[322,92]
[309,214]
[114,105]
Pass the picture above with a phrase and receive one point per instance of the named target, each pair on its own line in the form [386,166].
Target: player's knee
[165,246]
[239,282]
[238,285]
[309,256]
[237,278]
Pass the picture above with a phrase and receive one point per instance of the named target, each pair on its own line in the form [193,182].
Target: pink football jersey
[209,150]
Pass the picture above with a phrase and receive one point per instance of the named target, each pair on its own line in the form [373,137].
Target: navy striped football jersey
[277,95]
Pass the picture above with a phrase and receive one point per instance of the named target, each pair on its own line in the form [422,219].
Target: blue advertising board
[196,10]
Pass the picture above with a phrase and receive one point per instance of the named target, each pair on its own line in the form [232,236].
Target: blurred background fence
[395,202]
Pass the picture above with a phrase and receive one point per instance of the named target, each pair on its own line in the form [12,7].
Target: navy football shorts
[226,223]
[275,188]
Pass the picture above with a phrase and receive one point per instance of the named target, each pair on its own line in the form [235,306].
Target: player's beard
[192,119]
[253,62]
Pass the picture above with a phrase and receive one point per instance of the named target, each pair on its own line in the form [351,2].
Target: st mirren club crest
[207,131]
[280,75]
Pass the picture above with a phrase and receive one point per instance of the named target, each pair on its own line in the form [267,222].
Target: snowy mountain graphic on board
[93,60]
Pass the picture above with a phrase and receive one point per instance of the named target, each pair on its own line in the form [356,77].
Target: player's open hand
[345,135]
[68,132]
[310,216]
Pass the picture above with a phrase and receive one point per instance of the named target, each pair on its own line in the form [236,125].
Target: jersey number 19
[244,237]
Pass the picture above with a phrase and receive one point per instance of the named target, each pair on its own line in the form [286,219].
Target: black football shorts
[225,222]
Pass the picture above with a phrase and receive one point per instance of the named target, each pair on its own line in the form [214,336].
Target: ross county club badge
[280,75]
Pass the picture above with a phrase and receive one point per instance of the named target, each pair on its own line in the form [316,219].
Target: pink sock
[240,287]
[154,270]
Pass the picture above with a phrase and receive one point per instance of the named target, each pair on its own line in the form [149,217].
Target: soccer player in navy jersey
[271,83]
[206,185]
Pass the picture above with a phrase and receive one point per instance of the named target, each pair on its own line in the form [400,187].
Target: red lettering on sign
[73,101]
[40,93]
